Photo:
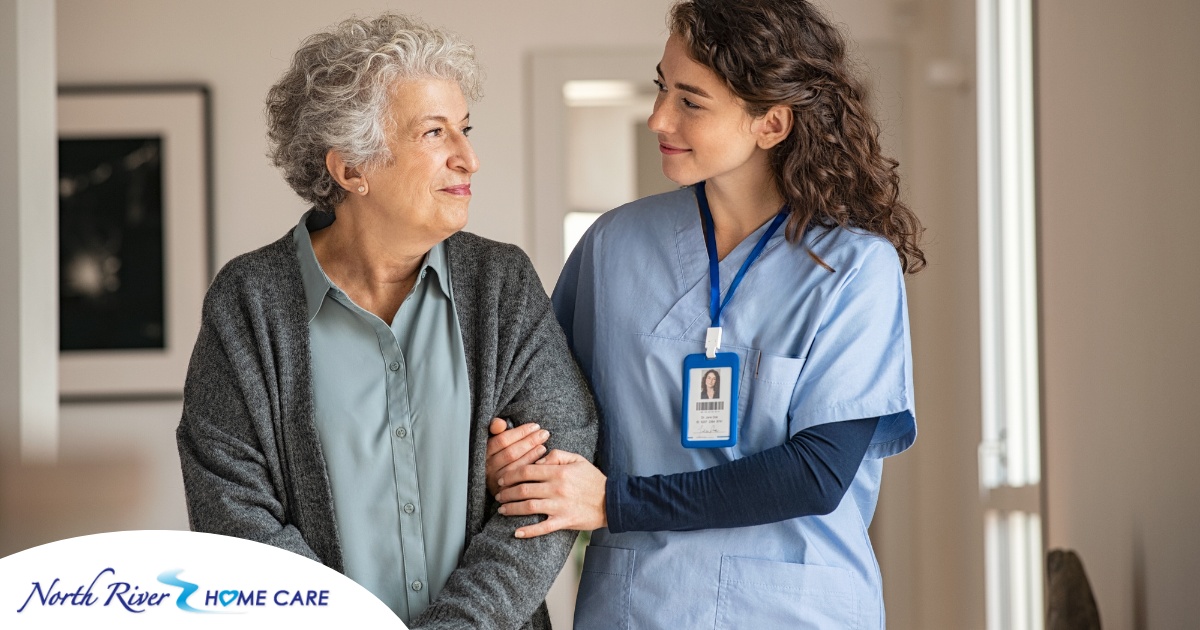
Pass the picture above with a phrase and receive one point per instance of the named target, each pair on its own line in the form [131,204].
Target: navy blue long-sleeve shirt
[809,474]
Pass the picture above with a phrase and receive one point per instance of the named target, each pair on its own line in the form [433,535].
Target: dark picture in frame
[110,244]
[134,237]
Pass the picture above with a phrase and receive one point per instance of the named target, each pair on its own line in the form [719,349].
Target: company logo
[107,590]
[179,580]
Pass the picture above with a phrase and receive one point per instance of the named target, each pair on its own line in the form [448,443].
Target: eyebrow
[684,86]
[439,118]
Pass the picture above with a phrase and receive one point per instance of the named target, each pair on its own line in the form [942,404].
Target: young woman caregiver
[780,267]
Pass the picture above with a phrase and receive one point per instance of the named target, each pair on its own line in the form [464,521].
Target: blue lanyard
[715,305]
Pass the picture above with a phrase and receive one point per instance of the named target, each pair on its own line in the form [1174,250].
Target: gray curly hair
[335,96]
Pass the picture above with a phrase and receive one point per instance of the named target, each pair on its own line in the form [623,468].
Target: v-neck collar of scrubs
[693,255]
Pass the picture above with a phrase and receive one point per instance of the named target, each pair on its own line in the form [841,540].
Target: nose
[463,158]
[659,121]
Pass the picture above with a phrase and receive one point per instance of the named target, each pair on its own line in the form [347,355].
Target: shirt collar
[317,284]
[437,262]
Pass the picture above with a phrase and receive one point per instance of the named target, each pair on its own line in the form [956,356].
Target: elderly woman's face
[427,187]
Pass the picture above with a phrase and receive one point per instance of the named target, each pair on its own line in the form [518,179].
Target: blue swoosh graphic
[172,578]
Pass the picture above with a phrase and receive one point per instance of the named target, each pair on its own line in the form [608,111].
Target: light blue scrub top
[392,406]
[815,347]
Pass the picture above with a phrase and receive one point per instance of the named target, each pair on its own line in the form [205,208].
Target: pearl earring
[362,189]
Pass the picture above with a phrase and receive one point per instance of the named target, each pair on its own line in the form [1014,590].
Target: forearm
[809,474]
[501,580]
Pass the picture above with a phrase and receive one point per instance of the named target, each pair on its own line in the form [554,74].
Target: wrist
[613,487]
[603,521]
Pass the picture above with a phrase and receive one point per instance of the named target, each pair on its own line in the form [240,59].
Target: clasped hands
[525,479]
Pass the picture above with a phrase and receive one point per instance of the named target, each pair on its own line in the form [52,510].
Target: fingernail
[504,509]
[500,481]
[519,534]
[544,435]
[536,427]
[541,449]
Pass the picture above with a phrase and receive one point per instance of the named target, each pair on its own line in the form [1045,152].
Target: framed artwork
[135,219]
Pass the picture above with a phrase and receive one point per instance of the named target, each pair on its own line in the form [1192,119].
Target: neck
[369,261]
[740,204]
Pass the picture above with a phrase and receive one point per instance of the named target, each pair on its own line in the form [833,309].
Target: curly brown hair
[829,169]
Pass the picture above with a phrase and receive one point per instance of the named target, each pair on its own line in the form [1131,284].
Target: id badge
[710,395]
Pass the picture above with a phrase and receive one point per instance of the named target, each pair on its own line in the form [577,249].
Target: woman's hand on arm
[509,449]
[564,486]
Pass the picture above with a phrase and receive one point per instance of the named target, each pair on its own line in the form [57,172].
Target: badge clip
[712,342]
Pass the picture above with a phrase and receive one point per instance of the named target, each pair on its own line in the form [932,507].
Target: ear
[774,126]
[347,177]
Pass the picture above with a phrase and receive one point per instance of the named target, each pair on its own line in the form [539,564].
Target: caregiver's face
[704,131]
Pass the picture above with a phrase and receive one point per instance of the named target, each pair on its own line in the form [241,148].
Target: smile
[667,149]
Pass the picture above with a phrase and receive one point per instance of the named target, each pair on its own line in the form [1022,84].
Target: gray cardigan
[252,462]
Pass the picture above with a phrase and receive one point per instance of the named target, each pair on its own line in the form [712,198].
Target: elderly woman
[340,390]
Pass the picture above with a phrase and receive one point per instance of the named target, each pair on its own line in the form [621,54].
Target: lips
[667,149]
[461,189]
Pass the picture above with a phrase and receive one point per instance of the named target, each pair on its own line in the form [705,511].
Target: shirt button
[409,508]
[401,433]
[394,365]
[417,585]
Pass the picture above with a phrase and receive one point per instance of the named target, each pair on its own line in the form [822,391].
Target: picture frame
[135,237]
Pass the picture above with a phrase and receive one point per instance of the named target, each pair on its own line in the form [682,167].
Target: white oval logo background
[176,579]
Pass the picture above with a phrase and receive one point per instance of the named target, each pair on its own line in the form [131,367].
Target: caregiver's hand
[510,449]
[564,486]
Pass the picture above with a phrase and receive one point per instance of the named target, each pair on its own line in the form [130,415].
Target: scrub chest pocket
[765,388]
[767,384]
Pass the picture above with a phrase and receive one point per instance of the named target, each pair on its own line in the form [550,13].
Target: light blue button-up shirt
[392,406]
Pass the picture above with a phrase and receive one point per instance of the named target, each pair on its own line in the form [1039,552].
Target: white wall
[1120,211]
[241,48]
